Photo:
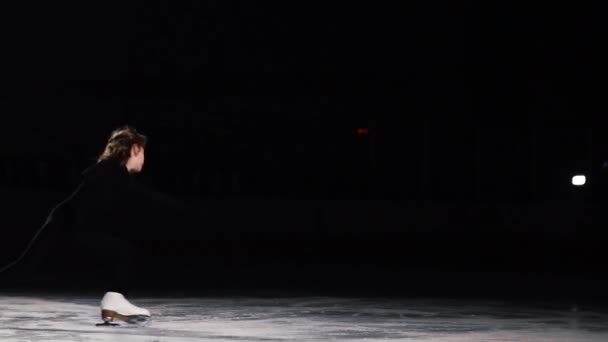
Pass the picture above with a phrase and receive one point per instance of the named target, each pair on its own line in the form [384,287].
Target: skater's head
[126,146]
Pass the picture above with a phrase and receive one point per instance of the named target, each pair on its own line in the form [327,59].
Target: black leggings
[111,258]
[96,259]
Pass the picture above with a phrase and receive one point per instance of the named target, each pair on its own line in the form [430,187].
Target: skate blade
[132,322]
[107,324]
[111,317]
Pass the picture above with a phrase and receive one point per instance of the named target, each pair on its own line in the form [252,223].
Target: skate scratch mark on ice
[46,330]
[123,331]
[148,334]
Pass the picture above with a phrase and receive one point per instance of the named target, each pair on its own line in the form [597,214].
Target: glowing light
[579,180]
[362,131]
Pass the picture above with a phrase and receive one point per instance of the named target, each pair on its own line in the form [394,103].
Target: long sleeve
[153,198]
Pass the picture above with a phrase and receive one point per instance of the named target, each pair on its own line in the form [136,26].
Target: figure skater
[94,216]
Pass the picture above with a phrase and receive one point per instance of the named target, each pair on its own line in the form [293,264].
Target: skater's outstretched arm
[154,199]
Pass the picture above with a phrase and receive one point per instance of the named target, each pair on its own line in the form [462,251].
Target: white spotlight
[579,180]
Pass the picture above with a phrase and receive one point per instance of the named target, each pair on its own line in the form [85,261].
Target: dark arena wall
[328,208]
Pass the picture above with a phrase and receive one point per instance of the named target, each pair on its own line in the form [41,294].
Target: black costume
[93,228]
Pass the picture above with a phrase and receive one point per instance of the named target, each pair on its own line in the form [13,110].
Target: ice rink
[36,317]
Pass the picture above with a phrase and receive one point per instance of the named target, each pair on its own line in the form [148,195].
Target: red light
[362,131]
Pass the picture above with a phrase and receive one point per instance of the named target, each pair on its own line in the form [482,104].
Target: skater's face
[136,162]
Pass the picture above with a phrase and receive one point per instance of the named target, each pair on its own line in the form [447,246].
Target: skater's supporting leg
[114,258]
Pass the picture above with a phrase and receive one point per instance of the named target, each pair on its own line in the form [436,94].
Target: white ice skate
[114,306]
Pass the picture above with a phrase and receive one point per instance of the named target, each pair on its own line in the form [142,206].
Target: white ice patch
[296,319]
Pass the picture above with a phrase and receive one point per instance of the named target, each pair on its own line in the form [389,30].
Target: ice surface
[73,318]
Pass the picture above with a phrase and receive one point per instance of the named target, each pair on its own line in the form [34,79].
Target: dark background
[477,114]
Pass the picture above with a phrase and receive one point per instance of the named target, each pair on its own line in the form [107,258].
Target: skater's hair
[120,142]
